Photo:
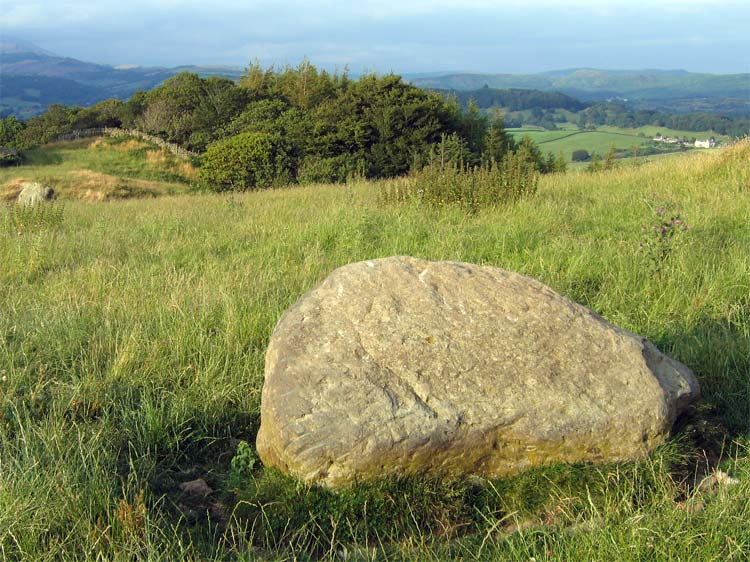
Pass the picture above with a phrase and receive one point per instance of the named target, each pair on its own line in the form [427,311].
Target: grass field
[601,140]
[132,337]
[568,141]
[100,169]
[651,130]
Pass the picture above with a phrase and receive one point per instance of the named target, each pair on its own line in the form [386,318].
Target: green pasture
[132,342]
[650,131]
[570,138]
[569,141]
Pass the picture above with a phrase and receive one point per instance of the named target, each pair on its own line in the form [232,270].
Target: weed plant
[22,219]
[470,188]
[661,235]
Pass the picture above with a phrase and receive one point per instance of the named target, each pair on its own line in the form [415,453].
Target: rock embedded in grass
[402,366]
[34,193]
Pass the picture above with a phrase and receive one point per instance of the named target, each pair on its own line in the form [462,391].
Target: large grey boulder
[399,366]
[34,192]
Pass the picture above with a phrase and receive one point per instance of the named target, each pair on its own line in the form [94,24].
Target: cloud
[512,35]
[44,13]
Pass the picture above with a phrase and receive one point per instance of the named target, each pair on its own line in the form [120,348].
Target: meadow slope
[100,169]
[132,337]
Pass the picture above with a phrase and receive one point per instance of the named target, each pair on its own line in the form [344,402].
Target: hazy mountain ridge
[638,83]
[33,78]
[643,88]
[12,45]
[24,93]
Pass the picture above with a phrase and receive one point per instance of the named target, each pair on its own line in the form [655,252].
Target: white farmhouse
[710,143]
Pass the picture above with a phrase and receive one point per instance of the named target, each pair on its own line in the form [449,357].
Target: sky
[404,36]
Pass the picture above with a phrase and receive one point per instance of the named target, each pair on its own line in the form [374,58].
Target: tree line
[619,115]
[543,109]
[294,124]
[515,99]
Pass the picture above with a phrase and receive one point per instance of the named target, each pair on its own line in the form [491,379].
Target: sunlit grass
[99,169]
[132,337]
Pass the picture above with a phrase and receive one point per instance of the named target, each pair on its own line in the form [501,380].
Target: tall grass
[472,188]
[132,337]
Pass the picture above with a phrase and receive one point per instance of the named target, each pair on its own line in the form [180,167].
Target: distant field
[100,169]
[651,130]
[600,141]
[568,141]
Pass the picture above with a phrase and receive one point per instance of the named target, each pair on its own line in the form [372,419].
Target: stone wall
[175,149]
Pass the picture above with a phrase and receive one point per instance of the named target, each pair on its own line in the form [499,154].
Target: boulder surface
[400,366]
[34,192]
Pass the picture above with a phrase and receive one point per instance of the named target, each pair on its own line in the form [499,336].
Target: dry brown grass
[87,185]
[186,169]
[9,190]
[157,157]
[128,145]
[91,186]
[164,160]
[96,186]
[103,142]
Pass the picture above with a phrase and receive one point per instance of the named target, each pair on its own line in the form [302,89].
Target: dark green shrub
[318,169]
[245,161]
[581,155]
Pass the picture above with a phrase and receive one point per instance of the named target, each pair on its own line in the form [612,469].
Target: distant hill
[516,99]
[33,78]
[13,45]
[665,90]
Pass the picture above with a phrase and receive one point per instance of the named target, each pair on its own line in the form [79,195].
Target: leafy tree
[169,108]
[43,128]
[304,87]
[258,82]
[474,129]
[595,165]
[220,102]
[190,110]
[529,152]
[559,165]
[133,109]
[10,127]
[497,141]
[610,159]
[452,150]
[107,113]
